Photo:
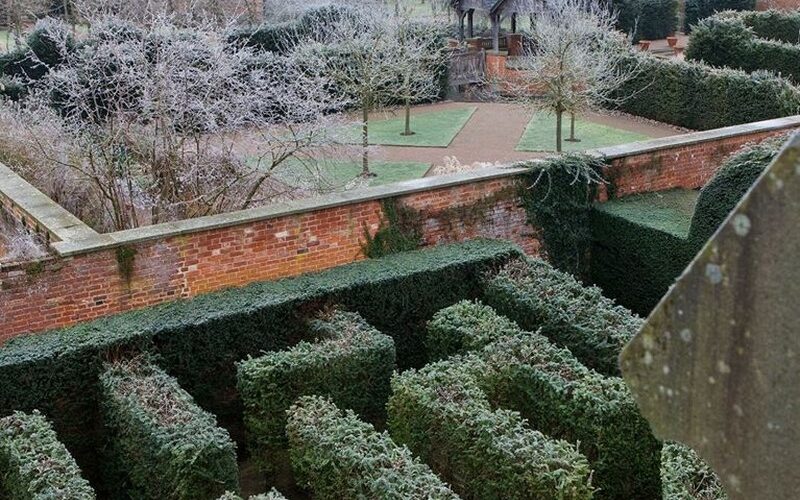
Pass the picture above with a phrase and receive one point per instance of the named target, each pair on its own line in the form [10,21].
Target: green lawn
[335,175]
[433,129]
[540,135]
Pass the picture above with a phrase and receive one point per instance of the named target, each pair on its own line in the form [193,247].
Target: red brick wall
[688,166]
[62,292]
[778,4]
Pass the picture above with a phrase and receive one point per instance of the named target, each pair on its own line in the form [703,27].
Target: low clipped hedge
[646,19]
[640,245]
[697,10]
[34,465]
[352,364]
[562,398]
[465,327]
[778,25]
[728,42]
[200,340]
[162,445]
[700,97]
[538,297]
[684,475]
[339,456]
[442,415]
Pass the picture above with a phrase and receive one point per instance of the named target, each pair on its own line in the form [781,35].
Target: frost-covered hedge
[339,456]
[34,465]
[442,415]
[700,97]
[525,372]
[685,476]
[351,363]
[539,297]
[465,327]
[162,445]
[271,495]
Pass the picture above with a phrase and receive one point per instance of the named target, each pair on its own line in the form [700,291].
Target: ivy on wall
[558,195]
[400,230]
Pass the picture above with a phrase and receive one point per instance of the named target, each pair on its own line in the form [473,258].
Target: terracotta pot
[644,45]
[672,41]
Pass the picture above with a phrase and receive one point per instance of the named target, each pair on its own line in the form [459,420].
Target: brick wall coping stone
[50,216]
[98,241]
[643,147]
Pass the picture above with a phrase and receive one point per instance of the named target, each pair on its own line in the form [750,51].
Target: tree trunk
[365,142]
[559,116]
[408,130]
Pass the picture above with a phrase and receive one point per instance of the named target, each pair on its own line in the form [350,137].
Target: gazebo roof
[490,6]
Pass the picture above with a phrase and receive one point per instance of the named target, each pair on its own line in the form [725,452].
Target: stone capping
[51,217]
[98,241]
[677,141]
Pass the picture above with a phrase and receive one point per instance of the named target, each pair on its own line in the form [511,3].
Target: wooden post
[471,23]
[461,15]
[496,33]
[514,22]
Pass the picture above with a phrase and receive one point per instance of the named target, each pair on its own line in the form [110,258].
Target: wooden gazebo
[495,10]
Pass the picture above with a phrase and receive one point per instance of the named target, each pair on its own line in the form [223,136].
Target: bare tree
[422,56]
[370,56]
[163,123]
[575,61]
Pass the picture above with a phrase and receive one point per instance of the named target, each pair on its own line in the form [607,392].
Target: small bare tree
[574,64]
[374,58]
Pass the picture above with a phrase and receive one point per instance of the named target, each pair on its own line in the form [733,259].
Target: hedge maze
[463,371]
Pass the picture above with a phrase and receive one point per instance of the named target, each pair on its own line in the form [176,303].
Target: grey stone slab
[717,365]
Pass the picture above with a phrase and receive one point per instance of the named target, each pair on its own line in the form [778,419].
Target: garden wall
[91,275]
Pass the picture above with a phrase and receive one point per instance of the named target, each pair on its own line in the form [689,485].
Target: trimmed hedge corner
[465,327]
[727,42]
[156,428]
[34,464]
[640,246]
[339,456]
[443,416]
[697,96]
[539,297]
[352,364]
[200,340]
[778,25]
[685,476]
[562,398]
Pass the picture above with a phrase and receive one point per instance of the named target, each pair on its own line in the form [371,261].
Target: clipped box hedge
[778,25]
[351,363]
[562,398]
[162,446]
[339,456]
[34,465]
[685,476]
[541,298]
[465,327]
[727,42]
[700,97]
[443,416]
[200,340]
